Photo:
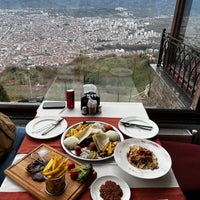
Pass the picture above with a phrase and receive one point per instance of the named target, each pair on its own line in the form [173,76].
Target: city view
[52,37]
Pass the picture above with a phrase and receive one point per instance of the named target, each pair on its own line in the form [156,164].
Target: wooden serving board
[19,174]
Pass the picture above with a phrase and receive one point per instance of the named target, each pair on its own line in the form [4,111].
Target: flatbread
[100,140]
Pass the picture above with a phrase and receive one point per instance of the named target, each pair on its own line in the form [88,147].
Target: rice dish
[70,142]
[113,135]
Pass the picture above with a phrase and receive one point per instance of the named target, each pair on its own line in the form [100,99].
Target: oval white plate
[70,152]
[164,159]
[136,132]
[40,122]
[94,190]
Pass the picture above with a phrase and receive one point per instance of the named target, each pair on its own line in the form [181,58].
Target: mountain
[16,4]
[140,8]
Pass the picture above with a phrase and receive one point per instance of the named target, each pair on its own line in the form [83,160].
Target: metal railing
[182,63]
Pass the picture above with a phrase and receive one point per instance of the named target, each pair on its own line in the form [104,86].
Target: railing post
[161,48]
[196,98]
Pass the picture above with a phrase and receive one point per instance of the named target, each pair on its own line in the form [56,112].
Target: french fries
[109,148]
[76,129]
[55,167]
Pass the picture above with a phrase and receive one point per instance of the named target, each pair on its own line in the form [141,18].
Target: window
[47,46]
[191,26]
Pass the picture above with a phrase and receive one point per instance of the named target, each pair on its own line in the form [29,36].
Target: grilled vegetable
[74,174]
[70,165]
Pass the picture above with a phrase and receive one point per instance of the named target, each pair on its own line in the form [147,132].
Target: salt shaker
[92,106]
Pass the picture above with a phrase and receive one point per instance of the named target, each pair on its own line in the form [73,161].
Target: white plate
[71,152]
[40,122]
[164,159]
[136,132]
[94,190]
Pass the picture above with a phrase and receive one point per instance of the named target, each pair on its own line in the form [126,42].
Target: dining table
[165,187]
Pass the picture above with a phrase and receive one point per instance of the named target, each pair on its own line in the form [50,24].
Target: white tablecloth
[109,109]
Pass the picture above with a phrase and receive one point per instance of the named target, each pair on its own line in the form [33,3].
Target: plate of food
[111,187]
[138,127]
[142,158]
[46,127]
[91,140]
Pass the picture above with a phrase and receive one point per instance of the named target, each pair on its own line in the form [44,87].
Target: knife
[128,124]
[52,126]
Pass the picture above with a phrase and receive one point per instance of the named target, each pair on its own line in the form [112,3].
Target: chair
[20,133]
[186,166]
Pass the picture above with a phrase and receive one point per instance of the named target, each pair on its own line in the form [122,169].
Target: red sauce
[110,191]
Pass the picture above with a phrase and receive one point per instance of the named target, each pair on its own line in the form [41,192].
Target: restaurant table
[162,188]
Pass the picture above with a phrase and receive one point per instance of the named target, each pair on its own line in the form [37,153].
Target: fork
[127,124]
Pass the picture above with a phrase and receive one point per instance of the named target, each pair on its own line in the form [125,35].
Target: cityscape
[49,37]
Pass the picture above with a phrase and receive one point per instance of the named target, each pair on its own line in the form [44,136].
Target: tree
[3,95]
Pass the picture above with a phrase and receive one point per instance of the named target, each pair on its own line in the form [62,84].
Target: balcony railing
[182,63]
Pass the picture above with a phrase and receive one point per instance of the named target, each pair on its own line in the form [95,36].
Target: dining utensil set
[48,127]
[128,124]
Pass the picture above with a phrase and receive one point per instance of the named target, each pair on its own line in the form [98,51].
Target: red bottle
[70,98]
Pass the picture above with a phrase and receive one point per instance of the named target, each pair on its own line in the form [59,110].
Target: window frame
[182,117]
[180,19]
